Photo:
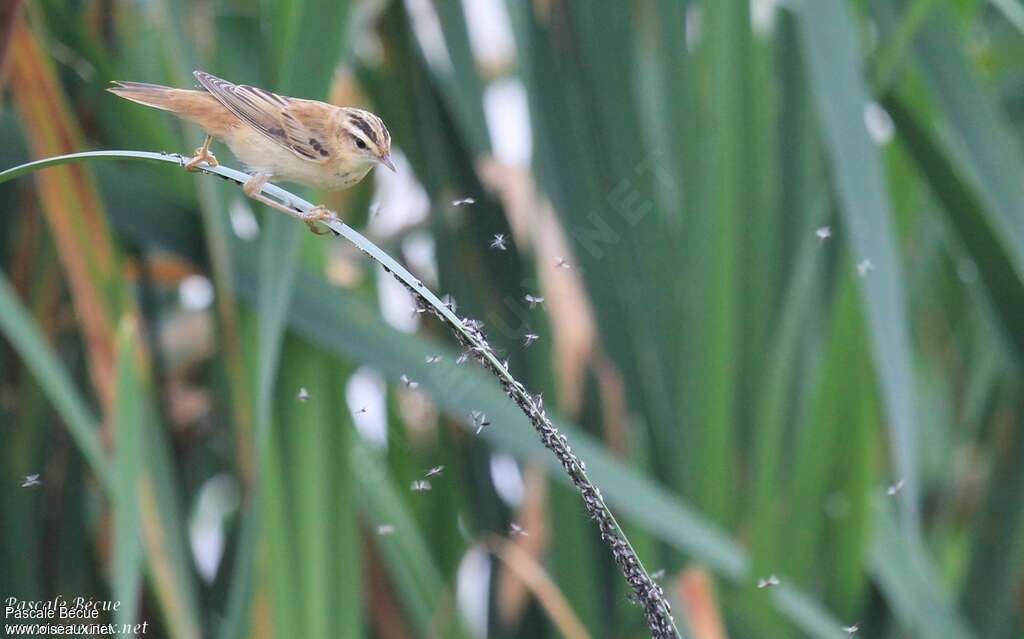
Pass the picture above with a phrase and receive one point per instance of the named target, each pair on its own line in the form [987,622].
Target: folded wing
[292,123]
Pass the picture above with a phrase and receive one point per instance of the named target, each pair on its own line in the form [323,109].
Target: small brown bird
[291,139]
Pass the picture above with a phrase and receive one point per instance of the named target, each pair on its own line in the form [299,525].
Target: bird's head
[365,135]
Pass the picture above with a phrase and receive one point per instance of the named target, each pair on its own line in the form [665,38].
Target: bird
[278,137]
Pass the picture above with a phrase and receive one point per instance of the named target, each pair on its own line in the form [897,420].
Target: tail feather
[199,107]
[153,95]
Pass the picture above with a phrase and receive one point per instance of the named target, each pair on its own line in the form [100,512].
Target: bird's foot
[201,155]
[318,214]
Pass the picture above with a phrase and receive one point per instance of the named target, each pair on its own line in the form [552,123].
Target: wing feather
[297,125]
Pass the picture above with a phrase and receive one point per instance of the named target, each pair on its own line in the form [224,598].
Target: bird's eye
[360,143]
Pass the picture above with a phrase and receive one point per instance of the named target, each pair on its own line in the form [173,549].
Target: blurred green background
[781,251]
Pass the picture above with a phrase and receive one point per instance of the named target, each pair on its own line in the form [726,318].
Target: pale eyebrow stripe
[358,134]
[365,127]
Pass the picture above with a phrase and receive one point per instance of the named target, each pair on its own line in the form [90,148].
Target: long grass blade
[129,415]
[24,335]
[966,213]
[420,583]
[71,203]
[978,135]
[832,54]
[906,577]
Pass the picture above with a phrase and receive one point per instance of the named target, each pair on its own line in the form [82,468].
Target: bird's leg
[202,154]
[253,187]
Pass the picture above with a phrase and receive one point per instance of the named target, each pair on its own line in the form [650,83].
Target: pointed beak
[386,161]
